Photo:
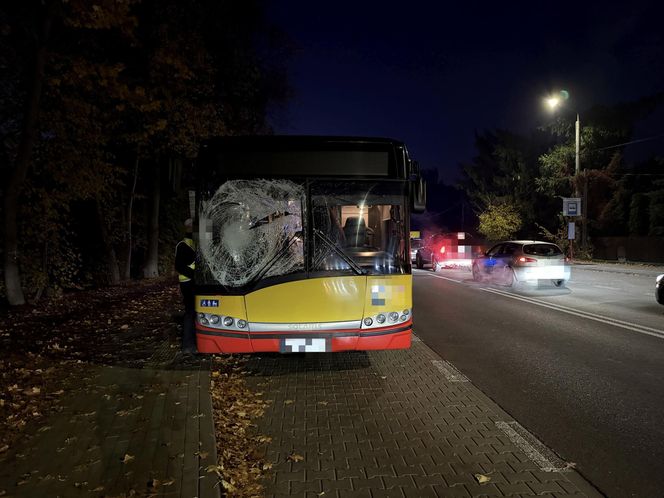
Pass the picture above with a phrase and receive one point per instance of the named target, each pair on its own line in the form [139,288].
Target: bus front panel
[316,315]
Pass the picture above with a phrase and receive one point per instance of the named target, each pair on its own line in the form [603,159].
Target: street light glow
[552,102]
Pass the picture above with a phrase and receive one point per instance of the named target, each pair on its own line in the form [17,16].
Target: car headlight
[659,279]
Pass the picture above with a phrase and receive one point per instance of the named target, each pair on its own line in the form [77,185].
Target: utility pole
[584,196]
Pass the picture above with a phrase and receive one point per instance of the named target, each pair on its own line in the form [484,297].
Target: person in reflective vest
[185,264]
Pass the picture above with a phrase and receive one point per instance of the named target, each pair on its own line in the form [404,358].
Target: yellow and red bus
[303,244]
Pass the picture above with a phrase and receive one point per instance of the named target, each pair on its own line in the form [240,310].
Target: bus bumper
[213,341]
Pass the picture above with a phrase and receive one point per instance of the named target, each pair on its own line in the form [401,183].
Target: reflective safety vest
[190,243]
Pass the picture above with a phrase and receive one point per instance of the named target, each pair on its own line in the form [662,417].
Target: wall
[638,249]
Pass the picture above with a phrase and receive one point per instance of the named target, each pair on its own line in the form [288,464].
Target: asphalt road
[581,368]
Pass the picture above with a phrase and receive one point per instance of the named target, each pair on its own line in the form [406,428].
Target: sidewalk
[383,423]
[133,432]
[396,423]
[645,269]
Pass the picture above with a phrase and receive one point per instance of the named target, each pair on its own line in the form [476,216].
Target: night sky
[432,73]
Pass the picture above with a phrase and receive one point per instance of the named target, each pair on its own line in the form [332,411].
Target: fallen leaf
[127,458]
[294,457]
[124,327]
[482,479]
[214,468]
[289,402]
[228,486]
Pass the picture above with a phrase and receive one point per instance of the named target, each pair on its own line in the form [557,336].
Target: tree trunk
[28,133]
[130,207]
[151,268]
[111,259]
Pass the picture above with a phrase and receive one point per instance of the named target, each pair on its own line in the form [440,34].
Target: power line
[629,143]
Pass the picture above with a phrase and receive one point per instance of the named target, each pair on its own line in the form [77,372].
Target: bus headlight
[228,321]
[241,324]
[368,322]
[201,316]
[406,312]
[404,318]
[204,321]
[214,319]
[394,316]
[380,318]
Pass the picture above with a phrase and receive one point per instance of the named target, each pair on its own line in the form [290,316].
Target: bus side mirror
[418,195]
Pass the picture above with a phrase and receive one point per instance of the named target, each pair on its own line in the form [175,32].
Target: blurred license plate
[305,345]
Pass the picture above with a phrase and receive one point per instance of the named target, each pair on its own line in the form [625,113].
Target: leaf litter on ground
[53,347]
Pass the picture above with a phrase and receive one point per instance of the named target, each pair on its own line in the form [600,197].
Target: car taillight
[442,250]
[524,259]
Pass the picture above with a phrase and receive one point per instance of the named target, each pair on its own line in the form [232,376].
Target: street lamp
[553,102]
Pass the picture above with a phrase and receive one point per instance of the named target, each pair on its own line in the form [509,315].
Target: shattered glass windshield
[358,226]
[249,230]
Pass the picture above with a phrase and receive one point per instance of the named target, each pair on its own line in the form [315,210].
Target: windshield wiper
[355,267]
[276,257]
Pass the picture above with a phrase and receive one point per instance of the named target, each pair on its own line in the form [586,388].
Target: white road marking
[448,370]
[445,278]
[606,287]
[583,314]
[516,432]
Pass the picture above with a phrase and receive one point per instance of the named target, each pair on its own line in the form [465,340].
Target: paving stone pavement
[395,424]
[134,432]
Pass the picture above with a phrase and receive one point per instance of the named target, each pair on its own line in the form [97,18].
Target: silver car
[659,288]
[528,262]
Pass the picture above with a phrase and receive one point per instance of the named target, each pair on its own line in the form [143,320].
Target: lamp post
[553,103]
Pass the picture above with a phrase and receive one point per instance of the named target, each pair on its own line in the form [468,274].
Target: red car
[447,250]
